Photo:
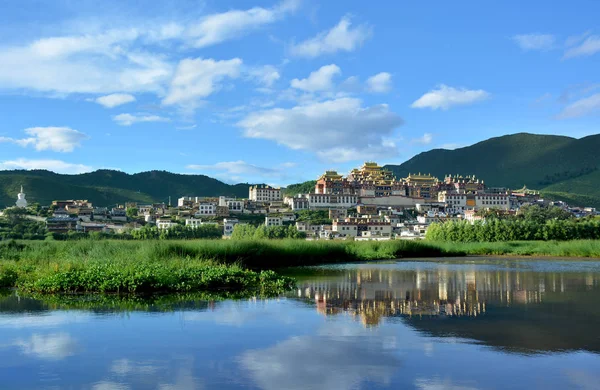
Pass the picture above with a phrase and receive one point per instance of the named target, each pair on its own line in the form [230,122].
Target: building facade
[264,193]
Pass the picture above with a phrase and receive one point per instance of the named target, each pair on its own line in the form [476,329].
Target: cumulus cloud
[319,80]
[57,166]
[586,106]
[58,139]
[445,97]
[198,78]
[341,37]
[535,41]
[55,346]
[336,130]
[122,60]
[590,46]
[102,63]
[115,99]
[219,27]
[380,83]
[424,140]
[265,75]
[130,119]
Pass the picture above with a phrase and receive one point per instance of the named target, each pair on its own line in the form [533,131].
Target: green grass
[575,248]
[178,266]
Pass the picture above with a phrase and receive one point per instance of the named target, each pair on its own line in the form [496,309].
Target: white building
[165,223]
[273,221]
[299,202]
[21,201]
[229,225]
[264,193]
[459,201]
[195,222]
[234,205]
[318,201]
[345,229]
[206,209]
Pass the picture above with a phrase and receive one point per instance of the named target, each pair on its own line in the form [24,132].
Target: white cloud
[336,130]
[130,119]
[380,83]
[451,146]
[590,46]
[57,166]
[445,97]
[581,107]
[266,75]
[319,80]
[58,139]
[232,24]
[198,78]
[425,139]
[341,37]
[535,41]
[102,63]
[53,346]
[237,168]
[115,99]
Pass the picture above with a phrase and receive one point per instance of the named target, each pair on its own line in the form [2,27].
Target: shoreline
[114,266]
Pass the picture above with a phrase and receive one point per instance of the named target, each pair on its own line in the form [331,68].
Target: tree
[132,212]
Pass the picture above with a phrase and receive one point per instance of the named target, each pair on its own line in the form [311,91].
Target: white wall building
[229,225]
[234,205]
[195,222]
[318,201]
[163,223]
[206,209]
[345,229]
[273,221]
[264,193]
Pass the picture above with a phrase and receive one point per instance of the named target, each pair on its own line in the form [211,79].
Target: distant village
[370,203]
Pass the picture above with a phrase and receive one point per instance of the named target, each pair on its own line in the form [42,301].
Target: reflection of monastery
[375,293]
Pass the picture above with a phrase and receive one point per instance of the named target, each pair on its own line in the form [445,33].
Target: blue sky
[279,91]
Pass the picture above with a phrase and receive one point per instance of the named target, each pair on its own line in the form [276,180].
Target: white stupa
[21,201]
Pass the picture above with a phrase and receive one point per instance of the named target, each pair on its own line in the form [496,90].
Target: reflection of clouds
[41,321]
[322,362]
[125,367]
[176,374]
[238,315]
[439,384]
[107,385]
[53,346]
[583,379]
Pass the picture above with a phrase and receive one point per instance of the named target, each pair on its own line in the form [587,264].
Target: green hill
[106,187]
[561,167]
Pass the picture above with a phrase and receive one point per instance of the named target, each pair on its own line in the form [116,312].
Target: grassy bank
[179,266]
[575,248]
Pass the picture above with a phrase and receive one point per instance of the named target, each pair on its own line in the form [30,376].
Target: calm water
[453,325]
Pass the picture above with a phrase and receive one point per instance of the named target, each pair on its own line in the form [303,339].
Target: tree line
[515,230]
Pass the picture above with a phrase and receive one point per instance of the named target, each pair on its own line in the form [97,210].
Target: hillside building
[264,193]
[373,180]
[421,186]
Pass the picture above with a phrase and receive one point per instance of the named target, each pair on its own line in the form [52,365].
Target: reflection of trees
[522,310]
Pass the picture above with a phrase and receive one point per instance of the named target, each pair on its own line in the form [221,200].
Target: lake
[455,324]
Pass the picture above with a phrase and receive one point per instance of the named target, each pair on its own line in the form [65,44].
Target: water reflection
[413,325]
[518,306]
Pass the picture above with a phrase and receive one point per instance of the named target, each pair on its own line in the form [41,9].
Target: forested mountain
[561,167]
[107,187]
